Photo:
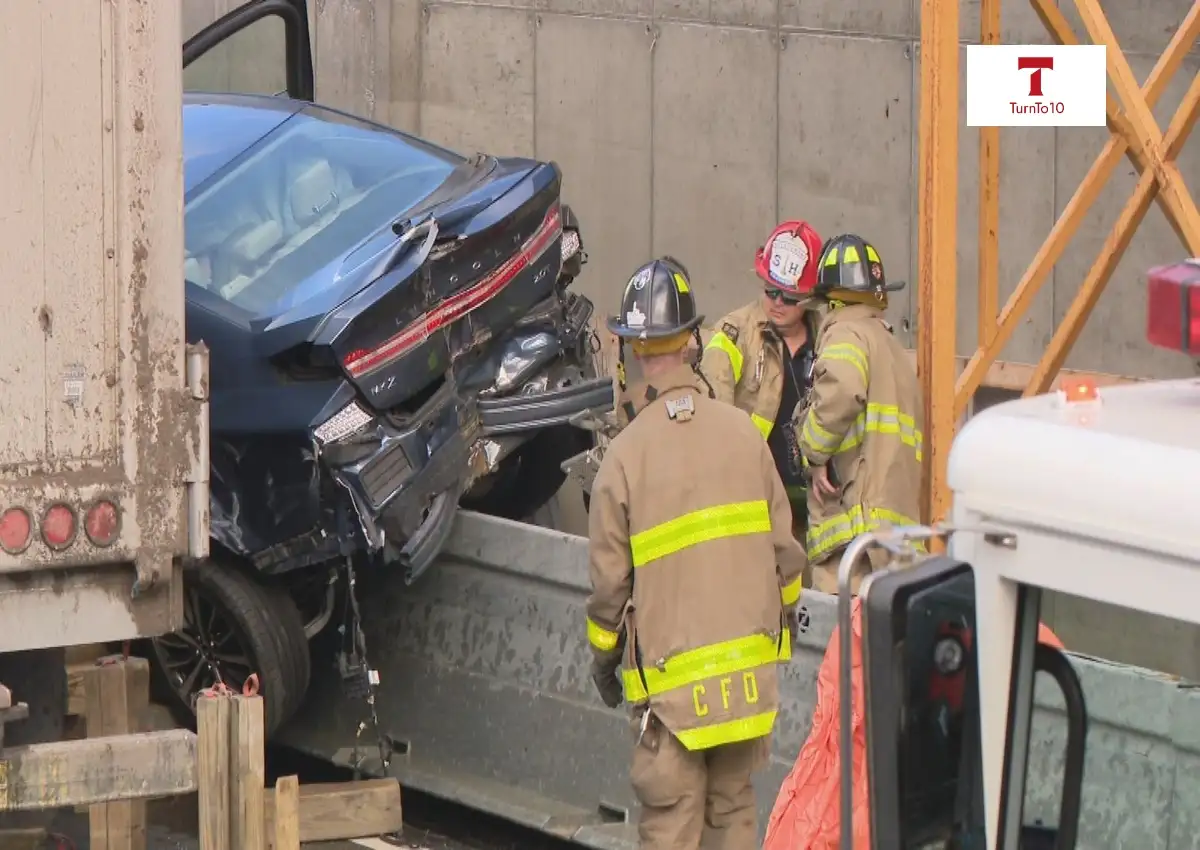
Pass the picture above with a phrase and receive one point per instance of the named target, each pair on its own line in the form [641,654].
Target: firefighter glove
[608,683]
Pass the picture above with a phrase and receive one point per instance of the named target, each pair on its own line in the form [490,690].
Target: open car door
[260,47]
[924,751]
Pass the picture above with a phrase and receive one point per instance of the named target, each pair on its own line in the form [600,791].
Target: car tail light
[59,526]
[16,530]
[102,525]
[1173,307]
[361,361]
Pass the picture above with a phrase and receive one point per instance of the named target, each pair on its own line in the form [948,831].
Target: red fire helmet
[789,258]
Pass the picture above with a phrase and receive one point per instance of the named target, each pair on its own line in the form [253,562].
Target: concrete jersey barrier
[486,695]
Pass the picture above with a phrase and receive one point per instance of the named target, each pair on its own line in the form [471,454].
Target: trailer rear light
[59,526]
[361,361]
[1173,307]
[16,530]
[102,525]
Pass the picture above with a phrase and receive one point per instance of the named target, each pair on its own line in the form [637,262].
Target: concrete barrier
[486,693]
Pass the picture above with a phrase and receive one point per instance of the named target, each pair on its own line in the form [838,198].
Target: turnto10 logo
[1036,64]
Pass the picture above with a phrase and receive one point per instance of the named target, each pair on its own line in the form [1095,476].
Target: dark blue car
[391,335]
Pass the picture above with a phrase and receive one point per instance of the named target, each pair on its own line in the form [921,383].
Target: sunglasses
[779,295]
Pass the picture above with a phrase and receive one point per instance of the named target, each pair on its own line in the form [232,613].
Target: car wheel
[531,476]
[234,626]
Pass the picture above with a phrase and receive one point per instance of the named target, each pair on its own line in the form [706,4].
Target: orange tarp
[807,814]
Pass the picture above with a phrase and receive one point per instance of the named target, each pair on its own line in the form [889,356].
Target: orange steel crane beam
[1133,134]
[937,237]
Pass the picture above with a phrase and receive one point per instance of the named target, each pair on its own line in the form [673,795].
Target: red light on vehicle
[102,523]
[16,530]
[1173,307]
[1080,389]
[359,362]
[58,526]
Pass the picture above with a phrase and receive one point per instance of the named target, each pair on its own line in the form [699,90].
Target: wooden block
[212,771]
[340,810]
[98,770]
[116,694]
[85,653]
[287,814]
[247,774]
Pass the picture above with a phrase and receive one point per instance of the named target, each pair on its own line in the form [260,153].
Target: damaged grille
[381,477]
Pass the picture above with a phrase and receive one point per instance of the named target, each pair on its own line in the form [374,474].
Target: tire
[256,623]
[531,476]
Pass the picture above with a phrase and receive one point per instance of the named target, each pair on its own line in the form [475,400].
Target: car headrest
[251,245]
[314,193]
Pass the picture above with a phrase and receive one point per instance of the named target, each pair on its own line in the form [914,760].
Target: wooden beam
[988,298]
[286,832]
[937,244]
[117,693]
[212,769]
[338,811]
[247,773]
[1015,377]
[1114,247]
[98,770]
[1017,305]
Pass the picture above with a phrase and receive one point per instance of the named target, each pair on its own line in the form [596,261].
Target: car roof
[218,127]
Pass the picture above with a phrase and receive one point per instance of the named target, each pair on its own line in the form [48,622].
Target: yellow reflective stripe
[851,255]
[831,257]
[839,530]
[790,593]
[872,255]
[600,637]
[883,419]
[763,425]
[818,438]
[851,354]
[729,732]
[723,343]
[691,529]
[706,662]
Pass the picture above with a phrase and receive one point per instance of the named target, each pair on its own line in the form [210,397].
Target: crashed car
[391,335]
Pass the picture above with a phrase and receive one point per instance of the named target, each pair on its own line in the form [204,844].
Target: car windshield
[299,199]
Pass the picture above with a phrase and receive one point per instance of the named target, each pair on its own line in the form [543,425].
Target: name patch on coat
[681,408]
[730,330]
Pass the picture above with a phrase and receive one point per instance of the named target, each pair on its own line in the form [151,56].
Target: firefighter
[760,359]
[860,433]
[695,577]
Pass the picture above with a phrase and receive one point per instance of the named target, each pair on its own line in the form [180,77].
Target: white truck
[103,449]
[1085,491]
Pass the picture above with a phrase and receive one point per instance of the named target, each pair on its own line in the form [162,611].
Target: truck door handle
[1053,662]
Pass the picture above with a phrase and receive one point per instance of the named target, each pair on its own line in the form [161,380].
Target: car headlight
[342,424]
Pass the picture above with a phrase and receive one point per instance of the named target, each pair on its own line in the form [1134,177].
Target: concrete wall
[692,126]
